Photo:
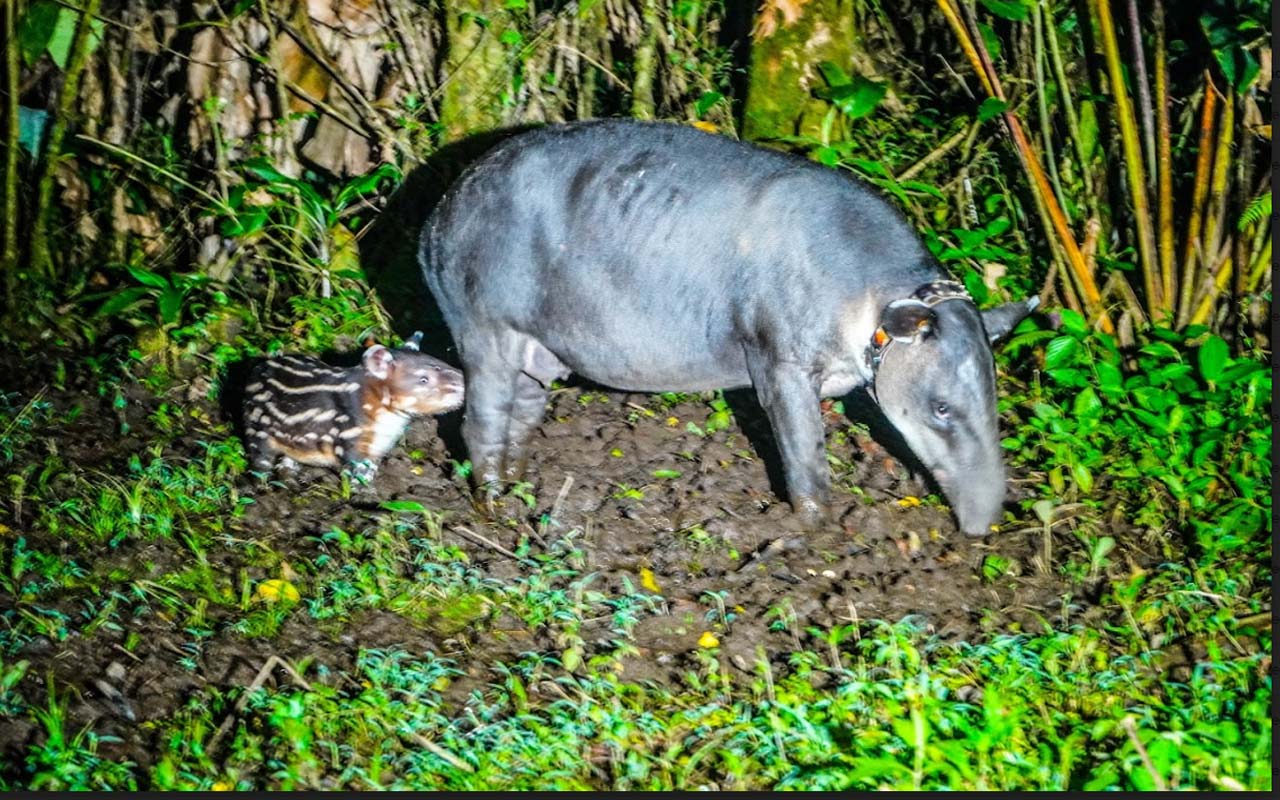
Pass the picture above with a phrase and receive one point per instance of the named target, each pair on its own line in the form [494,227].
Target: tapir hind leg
[539,367]
[490,368]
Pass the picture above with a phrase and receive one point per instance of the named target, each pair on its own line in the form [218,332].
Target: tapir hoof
[487,500]
[514,468]
[813,513]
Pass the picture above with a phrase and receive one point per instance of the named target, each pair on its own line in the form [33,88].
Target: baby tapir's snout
[300,410]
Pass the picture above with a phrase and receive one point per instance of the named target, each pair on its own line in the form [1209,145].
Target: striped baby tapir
[300,410]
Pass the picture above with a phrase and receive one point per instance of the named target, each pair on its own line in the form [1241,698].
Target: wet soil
[648,501]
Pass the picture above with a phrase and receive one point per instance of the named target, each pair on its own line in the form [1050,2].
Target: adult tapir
[657,257]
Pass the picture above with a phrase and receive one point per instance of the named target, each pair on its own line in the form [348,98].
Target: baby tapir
[298,409]
[656,257]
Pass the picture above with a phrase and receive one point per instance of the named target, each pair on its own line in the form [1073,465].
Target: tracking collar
[927,296]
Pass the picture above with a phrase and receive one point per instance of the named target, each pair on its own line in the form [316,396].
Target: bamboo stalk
[1243,161]
[1046,127]
[966,44]
[1261,267]
[1214,225]
[1144,94]
[1132,153]
[41,260]
[1199,190]
[977,52]
[1068,105]
[11,223]
[1205,306]
[1164,164]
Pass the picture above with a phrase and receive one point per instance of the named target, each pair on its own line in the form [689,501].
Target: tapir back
[641,253]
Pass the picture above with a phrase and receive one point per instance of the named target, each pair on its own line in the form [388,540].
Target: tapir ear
[377,361]
[906,319]
[1001,319]
[414,342]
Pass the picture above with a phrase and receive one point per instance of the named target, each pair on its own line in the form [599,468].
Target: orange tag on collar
[880,338]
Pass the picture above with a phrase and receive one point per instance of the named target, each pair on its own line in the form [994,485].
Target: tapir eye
[942,411]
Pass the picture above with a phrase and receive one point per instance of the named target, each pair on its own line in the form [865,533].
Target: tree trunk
[784,70]
[475,68]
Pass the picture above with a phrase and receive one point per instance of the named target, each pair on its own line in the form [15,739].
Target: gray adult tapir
[657,257]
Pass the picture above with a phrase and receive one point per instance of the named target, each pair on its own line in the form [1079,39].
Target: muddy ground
[717,526]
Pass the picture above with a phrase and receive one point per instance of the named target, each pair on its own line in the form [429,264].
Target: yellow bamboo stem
[966,44]
[1219,283]
[1132,154]
[1199,190]
[1216,206]
[1164,166]
[1261,266]
[976,51]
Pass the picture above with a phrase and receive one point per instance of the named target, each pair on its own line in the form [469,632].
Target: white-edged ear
[413,343]
[377,361]
[1000,320]
[906,319]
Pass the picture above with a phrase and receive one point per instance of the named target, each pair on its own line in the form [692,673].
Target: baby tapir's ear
[377,361]
[1000,320]
[413,343]
[907,319]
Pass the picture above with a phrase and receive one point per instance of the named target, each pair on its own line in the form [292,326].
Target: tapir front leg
[789,395]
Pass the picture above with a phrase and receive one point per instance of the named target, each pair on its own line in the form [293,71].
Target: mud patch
[646,497]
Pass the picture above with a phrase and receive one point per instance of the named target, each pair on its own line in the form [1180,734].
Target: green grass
[1100,697]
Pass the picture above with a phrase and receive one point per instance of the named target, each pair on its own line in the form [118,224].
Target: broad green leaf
[244,223]
[36,29]
[1074,322]
[1006,9]
[1241,370]
[857,98]
[833,74]
[1160,350]
[976,287]
[64,30]
[262,168]
[1061,352]
[1084,478]
[706,102]
[1151,420]
[1109,377]
[148,278]
[990,108]
[990,39]
[1213,356]
[1086,403]
[1202,452]
[169,304]
[122,301]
